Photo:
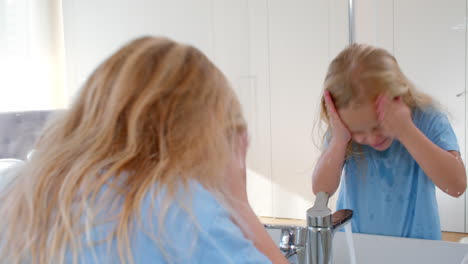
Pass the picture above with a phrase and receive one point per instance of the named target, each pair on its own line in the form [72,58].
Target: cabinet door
[241,52]
[429,42]
[302,41]
[259,114]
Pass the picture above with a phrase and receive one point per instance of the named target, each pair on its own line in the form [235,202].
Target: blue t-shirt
[389,192]
[206,235]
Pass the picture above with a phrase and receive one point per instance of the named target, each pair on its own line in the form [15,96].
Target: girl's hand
[394,116]
[340,133]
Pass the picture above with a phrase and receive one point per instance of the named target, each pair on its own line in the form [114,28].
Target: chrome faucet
[312,244]
[321,226]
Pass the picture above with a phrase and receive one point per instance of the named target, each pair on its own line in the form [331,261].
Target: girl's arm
[444,168]
[327,172]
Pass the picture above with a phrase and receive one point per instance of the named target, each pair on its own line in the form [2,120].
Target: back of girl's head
[360,73]
[155,100]
[154,113]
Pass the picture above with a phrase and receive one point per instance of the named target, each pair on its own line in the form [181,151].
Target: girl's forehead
[359,117]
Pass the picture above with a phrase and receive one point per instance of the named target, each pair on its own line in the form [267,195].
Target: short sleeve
[438,129]
[228,244]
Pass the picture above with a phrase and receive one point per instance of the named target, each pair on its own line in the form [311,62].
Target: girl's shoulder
[192,200]
[427,112]
[426,117]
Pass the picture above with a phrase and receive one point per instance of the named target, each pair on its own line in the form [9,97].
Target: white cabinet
[304,37]
[241,52]
[298,33]
[276,54]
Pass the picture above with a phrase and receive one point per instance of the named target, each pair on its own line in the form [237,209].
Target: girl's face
[364,126]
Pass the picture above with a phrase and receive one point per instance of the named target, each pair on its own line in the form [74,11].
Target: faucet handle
[321,200]
[320,215]
[341,217]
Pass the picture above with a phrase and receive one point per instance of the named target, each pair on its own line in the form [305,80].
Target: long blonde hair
[362,72]
[156,113]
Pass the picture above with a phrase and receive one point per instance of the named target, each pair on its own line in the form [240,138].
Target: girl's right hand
[339,132]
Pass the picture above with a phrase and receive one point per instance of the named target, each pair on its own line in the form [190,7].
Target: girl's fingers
[329,102]
[381,116]
[377,102]
[383,103]
[382,107]
[335,120]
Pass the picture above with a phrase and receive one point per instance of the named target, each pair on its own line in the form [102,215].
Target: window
[31,56]
[31,72]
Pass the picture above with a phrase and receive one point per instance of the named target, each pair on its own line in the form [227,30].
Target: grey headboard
[19,131]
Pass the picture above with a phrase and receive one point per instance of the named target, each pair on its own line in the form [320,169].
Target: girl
[147,166]
[394,145]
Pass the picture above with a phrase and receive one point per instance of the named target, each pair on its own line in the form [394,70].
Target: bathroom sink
[372,249]
[390,250]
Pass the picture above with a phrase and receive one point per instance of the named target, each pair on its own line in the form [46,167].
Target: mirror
[276,54]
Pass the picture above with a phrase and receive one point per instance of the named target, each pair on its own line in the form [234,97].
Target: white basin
[391,250]
[373,249]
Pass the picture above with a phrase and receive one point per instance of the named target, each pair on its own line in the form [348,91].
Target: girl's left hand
[394,116]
